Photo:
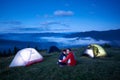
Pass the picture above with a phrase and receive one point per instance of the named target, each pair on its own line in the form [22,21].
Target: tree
[9,51]
[15,50]
[36,48]
[106,45]
[4,53]
[1,54]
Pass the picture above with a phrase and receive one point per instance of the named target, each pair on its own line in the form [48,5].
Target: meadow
[107,68]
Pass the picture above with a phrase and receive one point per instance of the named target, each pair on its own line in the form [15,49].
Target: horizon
[58,32]
[45,40]
[40,16]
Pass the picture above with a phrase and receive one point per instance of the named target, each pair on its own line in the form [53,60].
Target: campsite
[59,40]
[106,68]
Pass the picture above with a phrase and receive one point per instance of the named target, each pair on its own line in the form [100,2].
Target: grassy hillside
[87,69]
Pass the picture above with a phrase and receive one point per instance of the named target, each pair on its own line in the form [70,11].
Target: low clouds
[62,41]
[63,13]
[11,22]
[48,23]
[10,26]
[47,26]
[54,26]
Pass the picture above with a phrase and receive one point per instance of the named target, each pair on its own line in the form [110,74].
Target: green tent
[95,50]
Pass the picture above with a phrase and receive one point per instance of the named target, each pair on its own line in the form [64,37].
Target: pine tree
[37,48]
[15,50]
[4,53]
[9,51]
[1,54]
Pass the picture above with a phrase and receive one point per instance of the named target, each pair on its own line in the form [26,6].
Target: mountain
[45,40]
[10,44]
[110,35]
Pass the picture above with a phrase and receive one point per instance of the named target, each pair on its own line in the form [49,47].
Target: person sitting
[61,57]
[70,59]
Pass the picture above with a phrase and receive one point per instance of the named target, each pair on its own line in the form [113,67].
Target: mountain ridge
[98,35]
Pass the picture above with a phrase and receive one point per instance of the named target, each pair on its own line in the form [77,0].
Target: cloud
[72,41]
[48,23]
[48,26]
[10,26]
[58,13]
[29,29]
[48,16]
[63,13]
[54,26]
[60,30]
[23,29]
[44,16]
[11,22]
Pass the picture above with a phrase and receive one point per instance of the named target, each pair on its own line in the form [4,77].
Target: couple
[67,58]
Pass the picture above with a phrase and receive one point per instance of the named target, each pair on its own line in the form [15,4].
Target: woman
[70,59]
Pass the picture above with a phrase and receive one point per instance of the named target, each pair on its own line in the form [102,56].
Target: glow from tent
[25,55]
[20,61]
[89,52]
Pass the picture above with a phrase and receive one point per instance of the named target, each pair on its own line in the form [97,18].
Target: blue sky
[35,16]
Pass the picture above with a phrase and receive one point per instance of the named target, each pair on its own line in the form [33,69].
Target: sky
[37,16]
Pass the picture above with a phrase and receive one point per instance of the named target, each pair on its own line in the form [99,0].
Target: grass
[107,68]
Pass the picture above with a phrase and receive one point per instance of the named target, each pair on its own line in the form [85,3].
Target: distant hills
[110,35]
[98,35]
[45,40]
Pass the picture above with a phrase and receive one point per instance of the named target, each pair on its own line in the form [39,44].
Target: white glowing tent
[89,52]
[26,57]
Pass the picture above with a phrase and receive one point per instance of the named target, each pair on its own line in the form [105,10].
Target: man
[61,57]
[70,59]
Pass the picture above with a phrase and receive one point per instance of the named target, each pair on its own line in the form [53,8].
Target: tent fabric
[95,50]
[26,57]
[33,62]
[101,52]
[53,49]
[89,52]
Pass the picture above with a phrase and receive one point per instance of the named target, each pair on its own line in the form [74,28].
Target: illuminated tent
[26,57]
[95,50]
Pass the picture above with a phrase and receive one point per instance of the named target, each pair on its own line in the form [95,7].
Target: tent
[53,49]
[95,50]
[26,57]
